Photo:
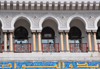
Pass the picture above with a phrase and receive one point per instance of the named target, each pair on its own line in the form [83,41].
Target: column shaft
[67,43]
[34,44]
[11,42]
[5,42]
[95,42]
[61,38]
[39,42]
[89,42]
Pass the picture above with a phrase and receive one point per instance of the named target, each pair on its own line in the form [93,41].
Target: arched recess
[21,33]
[2,23]
[51,36]
[77,17]
[77,35]
[48,33]
[1,34]
[49,17]
[22,23]
[97,25]
[21,17]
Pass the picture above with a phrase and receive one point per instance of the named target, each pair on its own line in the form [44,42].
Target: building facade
[49,34]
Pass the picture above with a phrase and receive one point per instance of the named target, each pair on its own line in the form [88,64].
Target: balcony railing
[22,48]
[98,47]
[1,47]
[78,47]
[52,47]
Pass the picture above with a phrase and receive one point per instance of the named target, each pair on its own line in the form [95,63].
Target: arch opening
[77,36]
[98,32]
[19,17]
[50,36]
[22,31]
[49,17]
[1,38]
[75,33]
[22,34]
[77,17]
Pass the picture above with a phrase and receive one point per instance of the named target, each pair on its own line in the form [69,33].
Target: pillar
[94,41]
[5,41]
[67,40]
[11,42]
[39,41]
[89,41]
[61,39]
[34,43]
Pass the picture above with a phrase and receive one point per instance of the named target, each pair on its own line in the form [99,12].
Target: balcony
[50,47]
[78,47]
[98,47]
[22,48]
[1,47]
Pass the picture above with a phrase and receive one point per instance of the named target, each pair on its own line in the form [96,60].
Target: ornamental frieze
[62,17]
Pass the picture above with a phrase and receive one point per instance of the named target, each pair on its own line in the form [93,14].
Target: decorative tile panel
[51,65]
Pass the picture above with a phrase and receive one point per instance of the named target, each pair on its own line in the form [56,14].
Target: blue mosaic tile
[51,65]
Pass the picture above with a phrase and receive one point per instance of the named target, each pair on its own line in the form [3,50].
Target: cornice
[50,4]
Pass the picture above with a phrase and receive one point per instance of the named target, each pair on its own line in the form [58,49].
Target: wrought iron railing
[22,48]
[78,47]
[50,47]
[98,47]
[1,47]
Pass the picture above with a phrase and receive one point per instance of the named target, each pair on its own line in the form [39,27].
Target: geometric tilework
[51,65]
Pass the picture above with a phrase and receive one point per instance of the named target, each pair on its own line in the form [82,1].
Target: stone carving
[35,17]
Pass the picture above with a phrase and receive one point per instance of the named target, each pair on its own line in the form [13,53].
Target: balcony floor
[39,56]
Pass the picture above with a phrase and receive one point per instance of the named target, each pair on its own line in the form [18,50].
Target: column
[61,39]
[67,40]
[34,43]
[5,41]
[89,41]
[11,42]
[94,41]
[39,41]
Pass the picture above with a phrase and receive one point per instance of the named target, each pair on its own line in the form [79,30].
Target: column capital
[66,31]
[88,31]
[38,31]
[61,31]
[94,31]
[33,31]
[10,31]
[5,31]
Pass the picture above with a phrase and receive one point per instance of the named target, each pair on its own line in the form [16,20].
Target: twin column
[10,42]
[94,41]
[66,39]
[39,41]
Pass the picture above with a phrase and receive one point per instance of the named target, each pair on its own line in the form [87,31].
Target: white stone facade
[35,15]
